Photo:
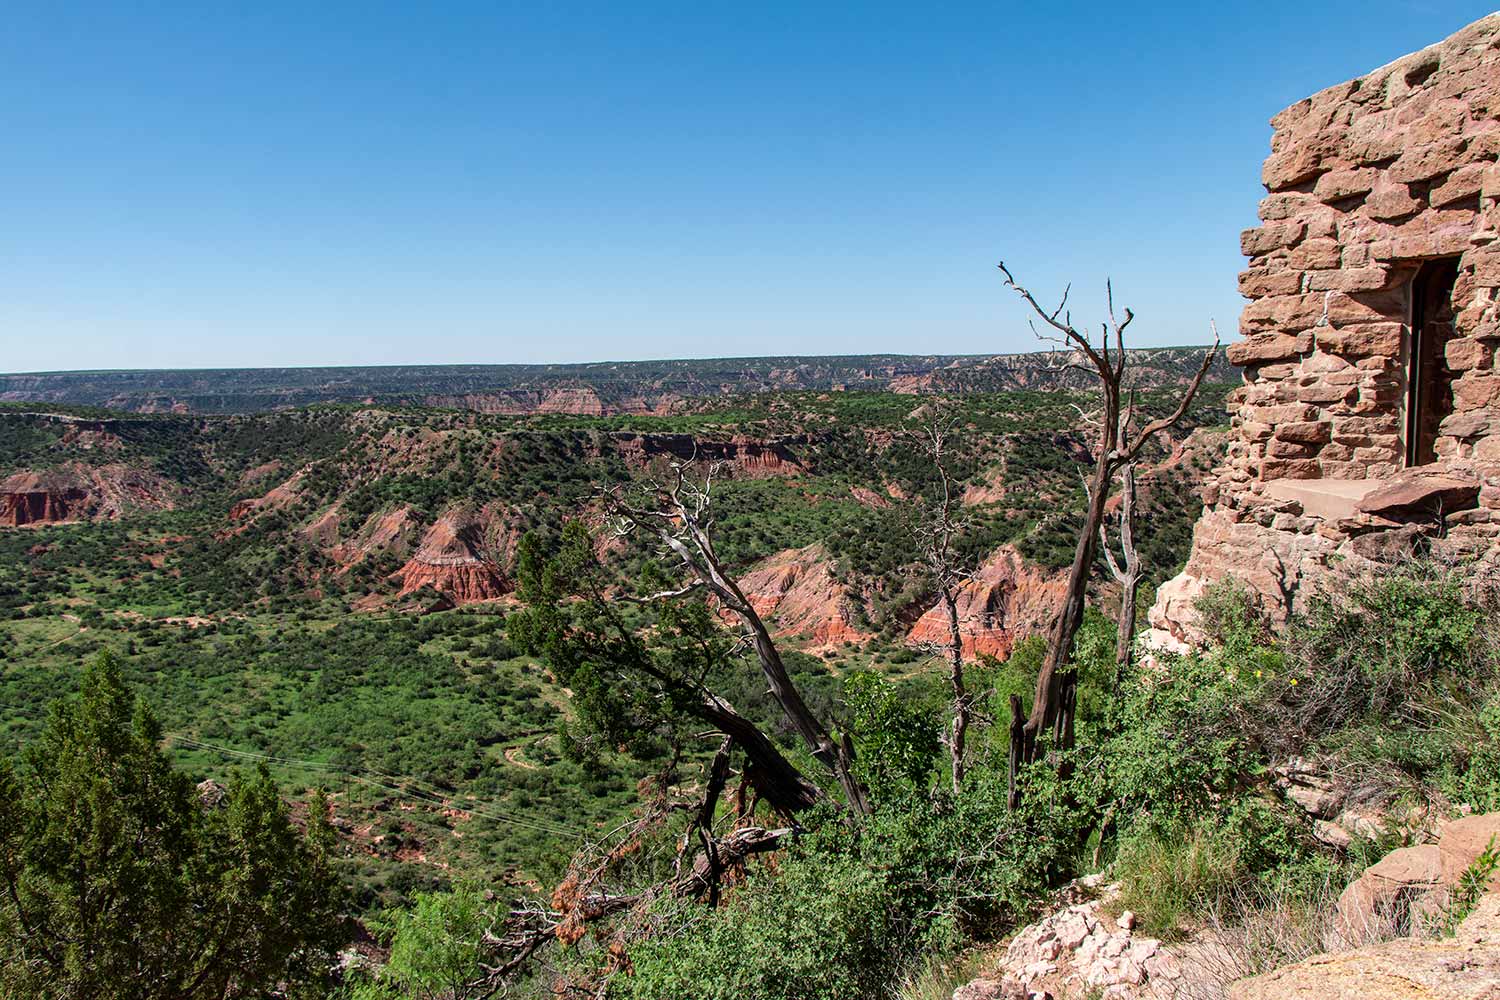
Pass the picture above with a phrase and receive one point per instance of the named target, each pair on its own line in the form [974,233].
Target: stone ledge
[1329,499]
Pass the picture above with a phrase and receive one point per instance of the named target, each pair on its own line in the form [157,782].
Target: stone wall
[1367,181]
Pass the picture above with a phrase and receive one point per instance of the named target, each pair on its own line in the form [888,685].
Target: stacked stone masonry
[1380,240]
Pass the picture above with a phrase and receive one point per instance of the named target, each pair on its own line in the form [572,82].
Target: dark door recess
[1429,383]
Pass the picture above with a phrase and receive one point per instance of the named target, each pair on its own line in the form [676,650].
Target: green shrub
[821,930]
[1165,875]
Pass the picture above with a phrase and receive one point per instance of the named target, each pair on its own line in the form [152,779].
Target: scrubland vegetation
[469,767]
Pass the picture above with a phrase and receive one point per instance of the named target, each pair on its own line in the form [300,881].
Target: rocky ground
[1088,948]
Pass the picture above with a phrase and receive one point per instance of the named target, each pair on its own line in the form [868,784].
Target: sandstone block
[1362,340]
[1278,448]
[1463,840]
[1440,243]
[1391,201]
[1254,430]
[1305,432]
[1316,253]
[1476,391]
[1489,181]
[1466,354]
[1271,236]
[1337,185]
[1424,162]
[1322,363]
[1258,283]
[1262,348]
[1324,394]
[1349,279]
[1284,206]
[1291,167]
[1420,495]
[1283,414]
[1463,184]
[1468,425]
[1289,468]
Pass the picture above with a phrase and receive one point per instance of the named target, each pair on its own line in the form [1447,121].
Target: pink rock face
[796,593]
[1421,495]
[1007,600]
[453,560]
[77,492]
[1465,839]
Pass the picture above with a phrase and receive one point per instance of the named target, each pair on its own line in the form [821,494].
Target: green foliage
[1166,874]
[896,735]
[436,948]
[821,929]
[1472,884]
[119,885]
[1425,630]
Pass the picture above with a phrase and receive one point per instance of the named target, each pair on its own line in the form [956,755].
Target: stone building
[1368,424]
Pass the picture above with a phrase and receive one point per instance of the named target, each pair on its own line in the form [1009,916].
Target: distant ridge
[598,388]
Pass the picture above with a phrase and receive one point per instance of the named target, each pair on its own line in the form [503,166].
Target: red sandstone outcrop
[796,593]
[279,498]
[1007,600]
[990,489]
[456,560]
[391,531]
[745,456]
[1463,967]
[76,492]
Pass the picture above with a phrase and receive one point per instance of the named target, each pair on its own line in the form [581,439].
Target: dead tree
[1129,575]
[679,514]
[1118,447]
[938,532]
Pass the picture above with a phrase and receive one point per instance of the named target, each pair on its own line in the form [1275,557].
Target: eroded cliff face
[745,456]
[76,492]
[1007,600]
[281,497]
[458,559]
[392,531]
[796,593]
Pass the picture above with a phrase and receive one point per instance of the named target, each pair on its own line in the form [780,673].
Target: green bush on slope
[119,884]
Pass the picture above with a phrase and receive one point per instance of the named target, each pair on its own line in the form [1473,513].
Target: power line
[417,792]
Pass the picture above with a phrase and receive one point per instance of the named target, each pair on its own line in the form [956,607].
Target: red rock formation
[745,456]
[991,489]
[1008,600]
[798,596]
[77,492]
[279,498]
[455,561]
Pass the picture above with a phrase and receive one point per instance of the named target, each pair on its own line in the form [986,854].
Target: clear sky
[270,183]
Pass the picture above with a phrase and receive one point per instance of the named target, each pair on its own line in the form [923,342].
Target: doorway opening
[1429,382]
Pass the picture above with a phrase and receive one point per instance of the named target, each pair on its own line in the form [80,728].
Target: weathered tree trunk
[1047,701]
[684,527]
[1052,706]
[960,691]
[837,757]
[1129,576]
[777,779]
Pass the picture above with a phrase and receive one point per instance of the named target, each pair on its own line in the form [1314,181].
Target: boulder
[1390,892]
[1416,495]
[1465,967]
[1464,840]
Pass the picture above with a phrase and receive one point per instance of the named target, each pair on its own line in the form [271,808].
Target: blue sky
[363,183]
